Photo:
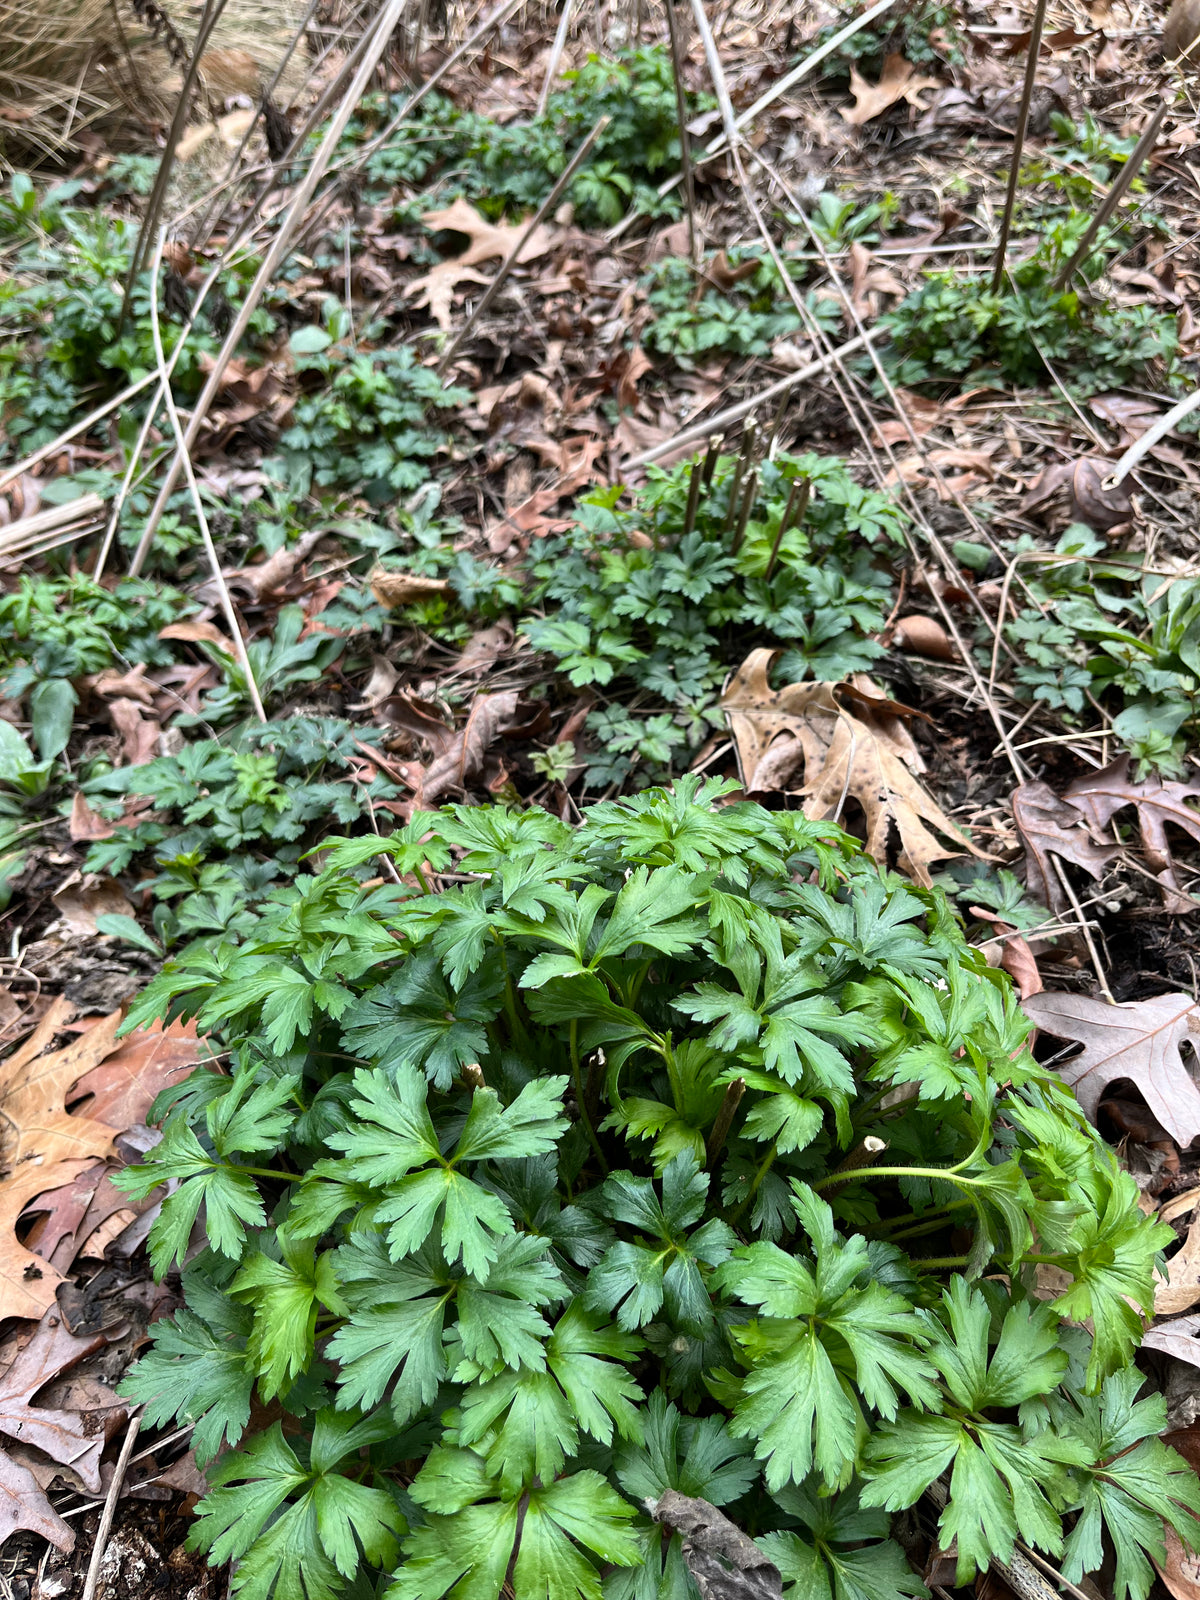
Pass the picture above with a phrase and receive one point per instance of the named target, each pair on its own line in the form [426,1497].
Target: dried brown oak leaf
[1180,1289]
[848,742]
[72,1439]
[1048,825]
[898,81]
[489,241]
[1139,1040]
[1102,794]
[42,1147]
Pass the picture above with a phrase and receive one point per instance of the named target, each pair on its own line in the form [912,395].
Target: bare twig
[556,50]
[207,221]
[135,455]
[1035,44]
[785,83]
[685,154]
[514,255]
[493,20]
[272,261]
[210,550]
[1115,194]
[1143,446]
[92,1581]
[208,21]
[1084,927]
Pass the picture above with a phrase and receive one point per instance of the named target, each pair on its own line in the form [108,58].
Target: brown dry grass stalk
[66,65]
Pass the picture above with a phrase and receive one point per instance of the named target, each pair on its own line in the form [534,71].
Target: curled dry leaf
[394,589]
[924,636]
[197,632]
[270,574]
[461,763]
[865,755]
[1180,1339]
[725,1562]
[42,1146]
[1100,795]
[485,647]
[1090,502]
[1048,825]
[1181,1569]
[1140,1040]
[898,81]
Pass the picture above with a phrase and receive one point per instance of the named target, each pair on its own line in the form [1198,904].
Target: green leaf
[52,715]
[329,1518]
[194,1374]
[16,758]
[122,927]
[845,1553]
[286,1296]
[695,1455]
[830,1345]
[584,1388]
[1131,1483]
[470,1552]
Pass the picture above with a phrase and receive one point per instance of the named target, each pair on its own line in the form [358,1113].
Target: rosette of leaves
[532,1196]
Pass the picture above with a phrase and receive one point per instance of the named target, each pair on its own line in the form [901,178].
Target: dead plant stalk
[1010,198]
[384,25]
[210,550]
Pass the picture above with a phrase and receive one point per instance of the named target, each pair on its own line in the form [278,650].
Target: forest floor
[791,474]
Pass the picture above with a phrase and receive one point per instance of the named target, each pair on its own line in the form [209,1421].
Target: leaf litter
[826,744]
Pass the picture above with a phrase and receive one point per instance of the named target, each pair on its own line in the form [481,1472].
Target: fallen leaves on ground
[50,1153]
[898,81]
[69,1438]
[1139,1040]
[463,761]
[849,742]
[1050,825]
[42,1146]
[1100,795]
[489,241]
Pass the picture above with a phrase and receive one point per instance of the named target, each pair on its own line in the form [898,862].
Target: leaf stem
[580,1099]
[764,1167]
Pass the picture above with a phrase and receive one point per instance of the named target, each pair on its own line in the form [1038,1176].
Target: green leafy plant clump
[644,608]
[679,1151]
[514,164]
[958,330]
[1103,632]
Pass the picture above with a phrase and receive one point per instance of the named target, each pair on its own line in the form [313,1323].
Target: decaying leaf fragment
[725,1563]
[69,1438]
[1139,1040]
[489,241]
[393,589]
[849,742]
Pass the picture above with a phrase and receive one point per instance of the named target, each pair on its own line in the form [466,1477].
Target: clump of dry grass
[113,65]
